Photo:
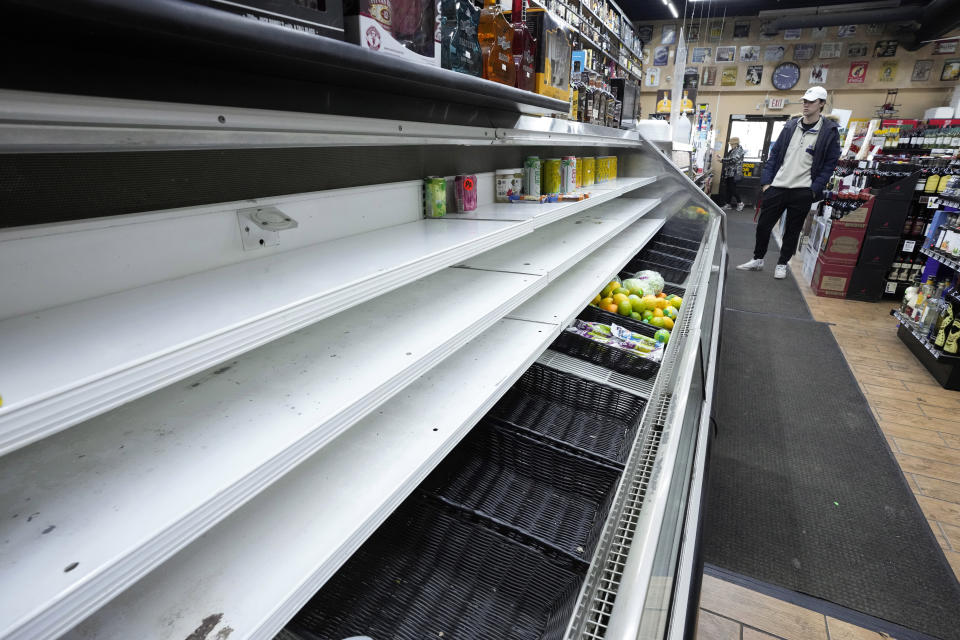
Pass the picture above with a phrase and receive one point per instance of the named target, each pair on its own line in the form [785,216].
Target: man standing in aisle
[800,164]
[732,173]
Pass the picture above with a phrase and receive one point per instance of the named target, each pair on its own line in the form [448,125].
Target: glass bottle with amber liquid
[495,36]
[524,48]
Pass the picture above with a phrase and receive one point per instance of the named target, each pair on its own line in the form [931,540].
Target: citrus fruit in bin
[624,308]
[612,308]
[619,297]
[675,302]
[606,302]
[662,335]
[670,312]
[667,323]
[657,321]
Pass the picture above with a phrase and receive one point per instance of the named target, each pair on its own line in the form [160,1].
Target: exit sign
[776,103]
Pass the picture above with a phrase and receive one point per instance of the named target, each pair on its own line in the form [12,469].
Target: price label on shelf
[933,203]
[891,287]
[909,245]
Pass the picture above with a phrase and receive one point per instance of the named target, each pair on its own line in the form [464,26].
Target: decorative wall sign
[858,72]
[921,71]
[885,49]
[701,54]
[818,33]
[754,74]
[830,50]
[708,76]
[875,29]
[651,77]
[716,31]
[750,54]
[888,71]
[741,29]
[728,77]
[645,33]
[661,55]
[818,73]
[945,47]
[774,53]
[951,71]
[804,51]
[858,50]
[792,34]
[726,54]
[847,31]
[668,35]
[693,32]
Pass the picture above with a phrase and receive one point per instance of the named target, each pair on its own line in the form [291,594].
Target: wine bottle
[495,36]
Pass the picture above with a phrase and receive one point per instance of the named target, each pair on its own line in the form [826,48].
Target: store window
[752,135]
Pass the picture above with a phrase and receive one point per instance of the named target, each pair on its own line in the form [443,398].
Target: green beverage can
[551,176]
[531,176]
[435,197]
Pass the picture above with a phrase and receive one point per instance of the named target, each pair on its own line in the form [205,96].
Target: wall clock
[786,75]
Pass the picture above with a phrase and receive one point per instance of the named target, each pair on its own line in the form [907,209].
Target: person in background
[731,175]
[800,164]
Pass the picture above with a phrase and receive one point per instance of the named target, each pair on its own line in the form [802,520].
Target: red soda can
[466,193]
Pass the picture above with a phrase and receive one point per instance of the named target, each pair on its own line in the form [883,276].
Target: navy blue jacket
[825,154]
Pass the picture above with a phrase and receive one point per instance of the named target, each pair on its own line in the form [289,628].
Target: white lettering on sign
[776,103]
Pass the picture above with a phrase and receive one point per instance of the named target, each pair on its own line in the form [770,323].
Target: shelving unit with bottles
[199,429]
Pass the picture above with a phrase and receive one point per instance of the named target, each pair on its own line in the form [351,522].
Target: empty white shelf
[70,363]
[157,472]
[549,251]
[543,214]
[259,566]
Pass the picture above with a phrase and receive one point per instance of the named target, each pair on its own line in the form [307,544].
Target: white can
[504,184]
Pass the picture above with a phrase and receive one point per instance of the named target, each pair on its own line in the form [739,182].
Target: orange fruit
[661,295]
[667,323]
[658,313]
[619,297]
[605,301]
[612,308]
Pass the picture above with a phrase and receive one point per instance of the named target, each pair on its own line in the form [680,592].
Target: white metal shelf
[70,363]
[555,248]
[159,471]
[309,522]
[540,215]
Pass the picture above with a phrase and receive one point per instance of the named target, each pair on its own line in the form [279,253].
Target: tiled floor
[922,423]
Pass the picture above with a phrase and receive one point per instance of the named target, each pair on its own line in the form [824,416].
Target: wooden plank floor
[921,421]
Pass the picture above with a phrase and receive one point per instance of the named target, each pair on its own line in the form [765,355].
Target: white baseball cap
[815,93]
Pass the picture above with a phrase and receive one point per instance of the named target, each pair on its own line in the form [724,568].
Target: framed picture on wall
[792,34]
[708,77]
[669,34]
[741,29]
[645,33]
[830,50]
[857,73]
[651,77]
[948,47]
[661,55]
[754,75]
[875,29]
[818,33]
[701,54]
[774,53]
[888,71]
[804,51]
[764,35]
[846,31]
[818,73]
[750,54]
[716,30]
[693,32]
[858,50]
[728,77]
[885,49]
[726,54]
[921,71]
[951,71]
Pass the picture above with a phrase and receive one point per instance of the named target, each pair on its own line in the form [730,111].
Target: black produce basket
[671,273]
[676,241]
[581,415]
[631,364]
[671,250]
[430,572]
[692,230]
[596,314]
[548,494]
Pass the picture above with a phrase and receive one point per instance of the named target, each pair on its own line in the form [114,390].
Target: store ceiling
[639,10]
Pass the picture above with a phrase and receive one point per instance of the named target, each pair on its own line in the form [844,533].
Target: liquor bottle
[583,96]
[460,50]
[524,48]
[574,100]
[495,36]
[687,104]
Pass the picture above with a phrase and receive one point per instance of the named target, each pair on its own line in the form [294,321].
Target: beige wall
[863,99]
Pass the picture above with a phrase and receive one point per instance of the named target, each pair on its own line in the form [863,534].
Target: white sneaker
[753,265]
[740,207]
[780,272]
[727,206]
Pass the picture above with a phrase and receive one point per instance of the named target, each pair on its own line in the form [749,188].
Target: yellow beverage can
[551,176]
[589,171]
[579,172]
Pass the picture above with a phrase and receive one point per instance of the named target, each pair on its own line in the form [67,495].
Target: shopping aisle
[914,414]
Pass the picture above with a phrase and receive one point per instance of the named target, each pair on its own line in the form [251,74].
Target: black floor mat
[803,490]
[758,291]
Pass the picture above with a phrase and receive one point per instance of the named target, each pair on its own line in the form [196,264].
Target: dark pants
[728,191]
[797,203]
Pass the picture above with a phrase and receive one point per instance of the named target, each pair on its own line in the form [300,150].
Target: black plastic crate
[581,415]
[676,241]
[671,250]
[685,229]
[430,572]
[674,262]
[546,493]
[596,314]
[631,364]
[669,273]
